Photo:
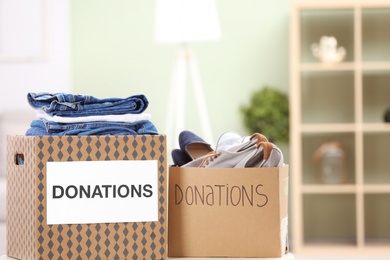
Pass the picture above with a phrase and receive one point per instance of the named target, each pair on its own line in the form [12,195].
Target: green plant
[268,113]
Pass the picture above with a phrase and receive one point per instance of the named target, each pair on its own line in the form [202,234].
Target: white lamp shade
[184,21]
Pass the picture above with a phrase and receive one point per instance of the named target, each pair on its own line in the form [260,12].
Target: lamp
[183,22]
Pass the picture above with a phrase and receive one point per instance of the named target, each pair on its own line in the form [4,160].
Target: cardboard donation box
[228,212]
[88,197]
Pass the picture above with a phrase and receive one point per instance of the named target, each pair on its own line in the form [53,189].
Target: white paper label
[102,192]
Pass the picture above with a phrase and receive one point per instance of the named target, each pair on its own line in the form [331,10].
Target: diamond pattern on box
[28,235]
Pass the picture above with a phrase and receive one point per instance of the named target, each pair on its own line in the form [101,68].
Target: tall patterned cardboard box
[40,227]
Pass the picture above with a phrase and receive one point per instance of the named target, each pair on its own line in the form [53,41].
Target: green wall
[115,54]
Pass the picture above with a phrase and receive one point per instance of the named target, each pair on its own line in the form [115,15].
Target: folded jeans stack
[67,114]
[232,151]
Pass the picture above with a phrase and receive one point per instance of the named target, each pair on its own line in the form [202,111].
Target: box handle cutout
[19,159]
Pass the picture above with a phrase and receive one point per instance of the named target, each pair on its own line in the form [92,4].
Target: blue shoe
[193,145]
[179,157]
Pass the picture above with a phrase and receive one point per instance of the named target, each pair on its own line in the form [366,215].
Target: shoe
[193,145]
[274,159]
[228,139]
[179,157]
[266,155]
[230,157]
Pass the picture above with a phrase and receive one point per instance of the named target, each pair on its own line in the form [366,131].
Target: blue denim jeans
[69,105]
[41,127]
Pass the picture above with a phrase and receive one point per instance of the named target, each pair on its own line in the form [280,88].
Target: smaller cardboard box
[87,197]
[228,212]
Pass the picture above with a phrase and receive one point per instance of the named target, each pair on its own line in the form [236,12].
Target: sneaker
[229,139]
[230,157]
[274,159]
[266,155]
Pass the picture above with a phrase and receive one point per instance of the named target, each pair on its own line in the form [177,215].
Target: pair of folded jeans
[70,105]
[43,127]
[87,115]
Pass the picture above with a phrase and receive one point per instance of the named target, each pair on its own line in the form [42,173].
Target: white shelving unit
[342,102]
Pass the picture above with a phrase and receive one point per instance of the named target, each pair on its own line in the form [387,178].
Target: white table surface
[286,257]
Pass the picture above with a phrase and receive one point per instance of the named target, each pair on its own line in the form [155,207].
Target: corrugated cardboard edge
[21,199]
[284,199]
[145,240]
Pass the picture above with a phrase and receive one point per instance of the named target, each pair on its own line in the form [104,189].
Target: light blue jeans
[69,105]
[41,127]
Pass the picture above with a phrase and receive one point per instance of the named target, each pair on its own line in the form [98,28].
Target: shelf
[345,128]
[375,66]
[339,23]
[328,188]
[317,66]
[342,199]
[345,66]
[316,105]
[330,217]
[376,93]
[376,188]
[344,249]
[376,127]
[376,158]
[345,188]
[377,216]
[328,128]
[375,35]
[312,141]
